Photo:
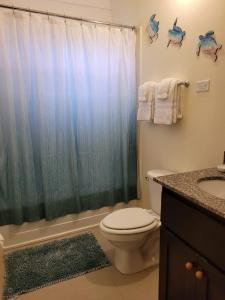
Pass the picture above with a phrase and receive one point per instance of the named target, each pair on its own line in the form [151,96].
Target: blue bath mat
[39,266]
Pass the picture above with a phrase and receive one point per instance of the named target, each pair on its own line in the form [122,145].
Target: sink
[214,186]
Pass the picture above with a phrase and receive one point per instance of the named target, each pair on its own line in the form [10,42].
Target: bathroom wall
[198,141]
[93,9]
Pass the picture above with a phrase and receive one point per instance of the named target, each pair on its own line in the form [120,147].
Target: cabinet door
[176,281]
[212,285]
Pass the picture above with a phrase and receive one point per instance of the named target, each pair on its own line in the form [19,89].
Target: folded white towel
[163,88]
[169,111]
[146,109]
[163,113]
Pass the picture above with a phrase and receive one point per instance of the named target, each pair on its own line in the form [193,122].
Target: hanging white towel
[177,96]
[168,102]
[146,109]
[143,91]
[179,100]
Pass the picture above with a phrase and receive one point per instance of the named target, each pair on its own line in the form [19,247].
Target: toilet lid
[128,218]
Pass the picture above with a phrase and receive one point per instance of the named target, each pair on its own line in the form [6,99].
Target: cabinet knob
[199,275]
[189,266]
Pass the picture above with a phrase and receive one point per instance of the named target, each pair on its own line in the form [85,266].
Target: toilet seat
[128,218]
[130,221]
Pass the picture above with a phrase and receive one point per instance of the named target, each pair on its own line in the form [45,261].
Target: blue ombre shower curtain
[67,117]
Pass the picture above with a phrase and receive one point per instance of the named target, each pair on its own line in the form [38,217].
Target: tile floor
[104,284]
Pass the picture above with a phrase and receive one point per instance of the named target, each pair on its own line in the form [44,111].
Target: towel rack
[185,83]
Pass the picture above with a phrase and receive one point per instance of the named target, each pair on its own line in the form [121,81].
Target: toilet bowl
[134,232]
[129,238]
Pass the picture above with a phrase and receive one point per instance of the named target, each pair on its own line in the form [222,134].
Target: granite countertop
[186,185]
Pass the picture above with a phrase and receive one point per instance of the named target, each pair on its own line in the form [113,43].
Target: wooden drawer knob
[189,266]
[199,275]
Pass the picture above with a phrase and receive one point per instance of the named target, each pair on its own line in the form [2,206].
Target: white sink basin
[213,186]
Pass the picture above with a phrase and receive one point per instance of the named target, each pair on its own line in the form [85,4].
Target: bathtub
[16,236]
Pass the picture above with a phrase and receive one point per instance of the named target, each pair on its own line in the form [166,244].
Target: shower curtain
[67,117]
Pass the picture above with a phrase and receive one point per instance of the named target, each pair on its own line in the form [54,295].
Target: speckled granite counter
[186,185]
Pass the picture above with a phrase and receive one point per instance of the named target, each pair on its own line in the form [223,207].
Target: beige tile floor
[104,284]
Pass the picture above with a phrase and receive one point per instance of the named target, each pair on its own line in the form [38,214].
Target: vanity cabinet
[192,251]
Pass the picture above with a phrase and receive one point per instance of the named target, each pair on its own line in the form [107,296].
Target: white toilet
[134,232]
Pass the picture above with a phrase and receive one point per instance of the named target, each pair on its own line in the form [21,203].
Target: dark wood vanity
[192,250]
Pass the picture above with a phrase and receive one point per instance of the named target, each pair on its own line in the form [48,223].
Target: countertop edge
[186,185]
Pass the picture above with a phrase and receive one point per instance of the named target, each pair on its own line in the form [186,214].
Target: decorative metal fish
[208,45]
[152,27]
[176,35]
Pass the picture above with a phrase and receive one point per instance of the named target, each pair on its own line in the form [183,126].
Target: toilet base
[132,262]
[128,262]
[139,259]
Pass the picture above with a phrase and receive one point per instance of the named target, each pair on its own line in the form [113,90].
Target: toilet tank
[155,189]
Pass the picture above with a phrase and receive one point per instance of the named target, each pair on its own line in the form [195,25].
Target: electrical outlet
[202,86]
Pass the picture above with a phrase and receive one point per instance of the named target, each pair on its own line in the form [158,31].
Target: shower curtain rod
[65,16]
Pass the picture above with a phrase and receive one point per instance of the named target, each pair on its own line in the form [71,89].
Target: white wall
[93,9]
[198,141]
[125,11]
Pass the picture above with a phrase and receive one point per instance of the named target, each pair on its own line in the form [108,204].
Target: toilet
[134,232]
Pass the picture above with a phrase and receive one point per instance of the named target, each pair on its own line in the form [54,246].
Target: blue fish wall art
[152,28]
[208,45]
[176,35]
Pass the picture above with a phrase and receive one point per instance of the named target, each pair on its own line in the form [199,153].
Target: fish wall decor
[176,35]
[152,28]
[208,45]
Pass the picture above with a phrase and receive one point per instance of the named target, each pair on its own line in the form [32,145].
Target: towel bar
[185,83]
